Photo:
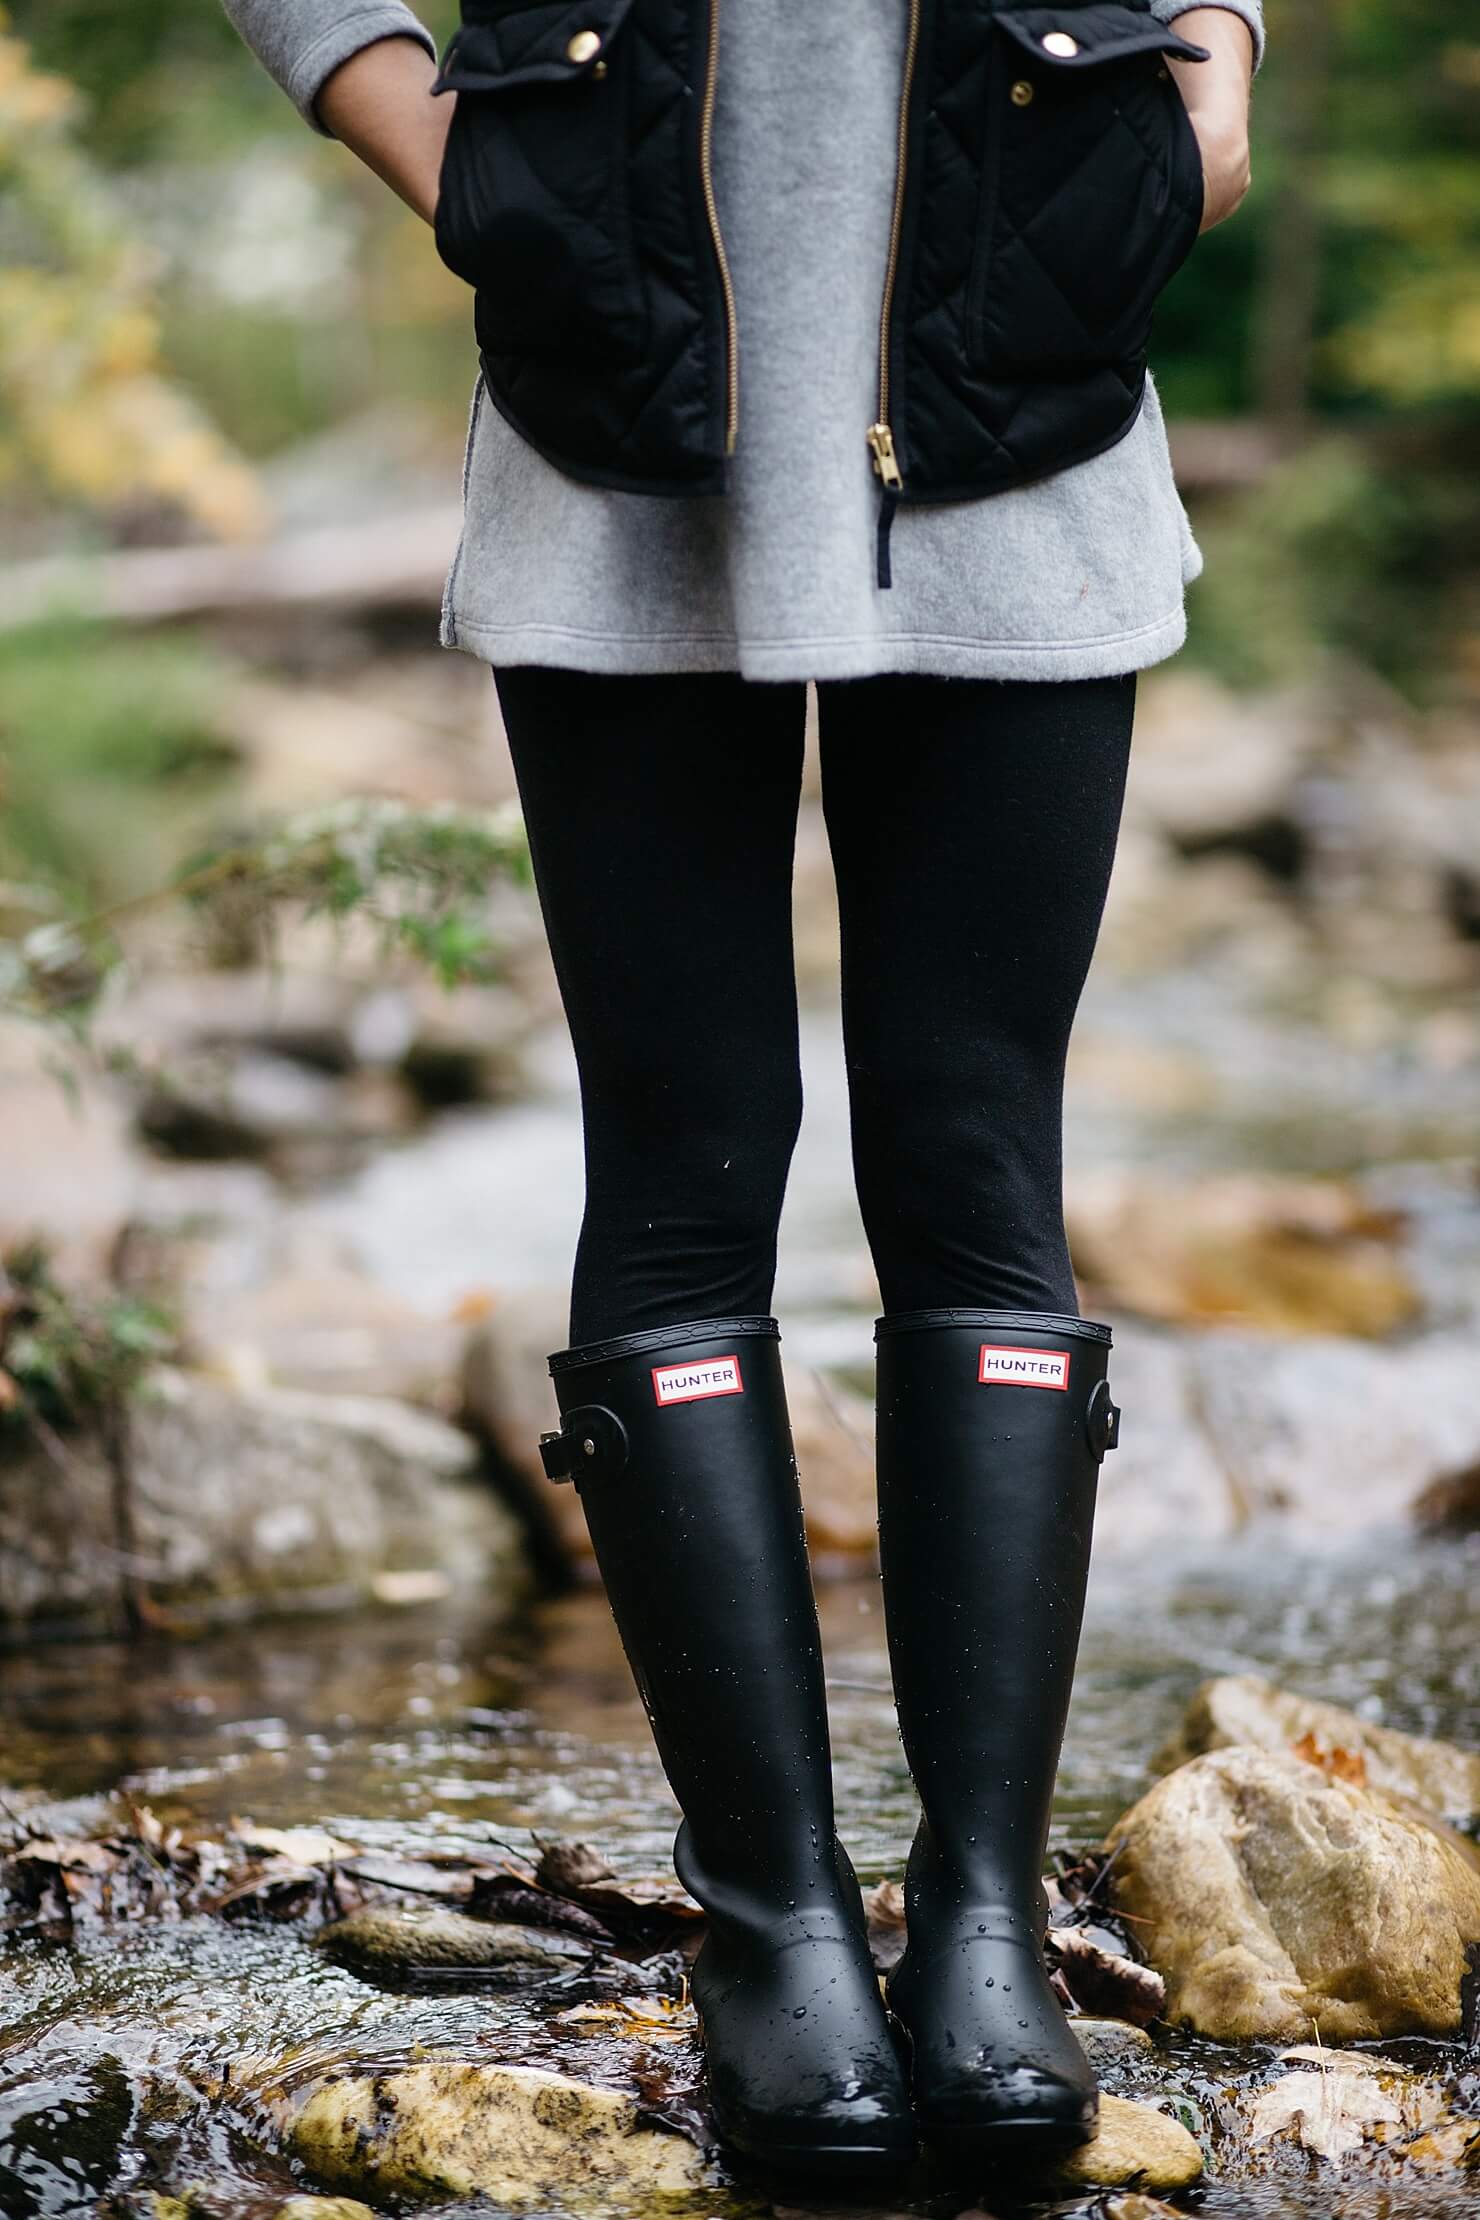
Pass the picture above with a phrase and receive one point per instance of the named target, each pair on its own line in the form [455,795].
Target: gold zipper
[711,209]
[880,435]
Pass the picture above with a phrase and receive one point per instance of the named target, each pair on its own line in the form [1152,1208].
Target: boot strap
[591,1439]
[1102,1419]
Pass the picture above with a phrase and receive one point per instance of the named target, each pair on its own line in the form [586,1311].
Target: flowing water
[416,1730]
[409,1729]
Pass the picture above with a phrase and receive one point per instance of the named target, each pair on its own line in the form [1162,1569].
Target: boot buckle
[591,1439]
[1102,1419]
[555,1456]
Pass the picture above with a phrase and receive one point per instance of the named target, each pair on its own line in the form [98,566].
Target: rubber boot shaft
[681,1448]
[992,1426]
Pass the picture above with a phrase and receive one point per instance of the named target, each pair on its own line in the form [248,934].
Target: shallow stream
[416,1728]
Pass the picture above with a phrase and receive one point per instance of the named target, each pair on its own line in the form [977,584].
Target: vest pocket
[1092,188]
[533,205]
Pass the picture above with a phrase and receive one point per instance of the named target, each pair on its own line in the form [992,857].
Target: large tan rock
[1275,1898]
[516,2135]
[1241,1708]
[1137,2145]
[1260,1249]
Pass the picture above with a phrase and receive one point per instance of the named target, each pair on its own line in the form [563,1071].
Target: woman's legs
[973,828]
[662,819]
[661,815]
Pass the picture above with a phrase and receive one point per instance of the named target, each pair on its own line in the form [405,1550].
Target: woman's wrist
[380,104]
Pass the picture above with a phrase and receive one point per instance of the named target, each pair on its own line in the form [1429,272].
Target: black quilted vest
[1049,183]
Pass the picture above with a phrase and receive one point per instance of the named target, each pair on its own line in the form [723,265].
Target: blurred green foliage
[111,754]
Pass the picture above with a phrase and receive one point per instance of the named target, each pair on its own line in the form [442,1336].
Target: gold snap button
[583,45]
[1022,93]
[1059,42]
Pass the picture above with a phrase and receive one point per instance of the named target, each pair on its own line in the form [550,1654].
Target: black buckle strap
[556,1455]
[591,1439]
[1102,1419]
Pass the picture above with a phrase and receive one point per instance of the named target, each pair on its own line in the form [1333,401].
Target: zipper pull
[891,480]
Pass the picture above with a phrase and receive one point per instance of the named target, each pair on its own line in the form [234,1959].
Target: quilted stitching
[962,425]
[964,421]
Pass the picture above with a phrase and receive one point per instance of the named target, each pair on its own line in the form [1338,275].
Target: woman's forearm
[380,103]
[1217,95]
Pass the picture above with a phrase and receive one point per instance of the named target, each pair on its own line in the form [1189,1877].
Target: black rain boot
[679,1442]
[992,1425]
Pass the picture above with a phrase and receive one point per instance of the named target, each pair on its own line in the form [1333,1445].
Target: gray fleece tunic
[1079,575]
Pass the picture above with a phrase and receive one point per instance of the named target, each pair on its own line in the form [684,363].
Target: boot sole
[975,2147]
[843,2163]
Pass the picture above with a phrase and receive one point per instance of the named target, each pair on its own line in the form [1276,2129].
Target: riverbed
[413,1730]
[130,2057]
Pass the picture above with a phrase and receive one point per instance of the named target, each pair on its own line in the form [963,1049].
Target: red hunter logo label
[691,1383]
[1045,1368]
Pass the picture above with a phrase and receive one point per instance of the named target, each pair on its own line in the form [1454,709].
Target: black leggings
[973,825]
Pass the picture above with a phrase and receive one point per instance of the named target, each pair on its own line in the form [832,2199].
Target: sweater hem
[1105,655]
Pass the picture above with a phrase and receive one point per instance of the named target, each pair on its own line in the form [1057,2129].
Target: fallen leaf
[1337,1764]
[1329,2113]
[651,2019]
[884,1907]
[641,1910]
[299,1845]
[507,1896]
[1106,1982]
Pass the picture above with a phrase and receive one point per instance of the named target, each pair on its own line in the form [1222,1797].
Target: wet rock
[59,1557]
[323,2208]
[441,1047]
[1137,2146]
[833,1433]
[246,1500]
[508,1401]
[1165,1480]
[1294,1255]
[1240,1708]
[1274,1898]
[1331,1435]
[1215,763]
[516,2135]
[1108,2043]
[256,1104]
[67,1170]
[265,1296]
[432,1943]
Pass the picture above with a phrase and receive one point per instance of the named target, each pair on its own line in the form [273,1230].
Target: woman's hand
[1217,95]
[380,103]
